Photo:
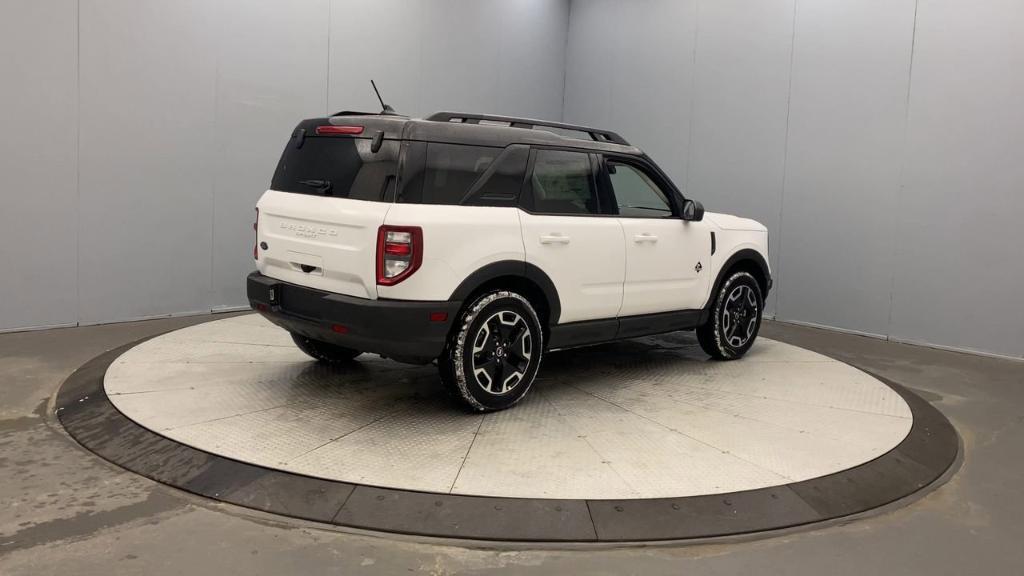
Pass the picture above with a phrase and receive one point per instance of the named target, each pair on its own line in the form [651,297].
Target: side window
[500,184]
[636,195]
[455,174]
[449,172]
[563,183]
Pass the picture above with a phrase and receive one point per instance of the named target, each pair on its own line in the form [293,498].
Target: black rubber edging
[93,421]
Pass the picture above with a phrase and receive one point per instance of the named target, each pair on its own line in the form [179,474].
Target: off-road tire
[456,363]
[728,335]
[324,351]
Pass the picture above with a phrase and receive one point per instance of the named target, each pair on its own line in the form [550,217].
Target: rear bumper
[399,329]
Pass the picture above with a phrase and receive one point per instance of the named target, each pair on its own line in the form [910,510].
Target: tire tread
[710,336]
[451,366]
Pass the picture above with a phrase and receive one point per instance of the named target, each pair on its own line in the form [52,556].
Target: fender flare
[512,268]
[739,256]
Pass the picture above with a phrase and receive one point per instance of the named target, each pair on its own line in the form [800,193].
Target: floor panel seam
[590,514]
[334,518]
[671,429]
[777,399]
[249,343]
[587,442]
[468,450]
[247,413]
[671,397]
[349,433]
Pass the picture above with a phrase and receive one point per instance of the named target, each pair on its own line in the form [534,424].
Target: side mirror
[693,211]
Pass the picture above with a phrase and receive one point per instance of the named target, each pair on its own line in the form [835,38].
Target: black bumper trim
[399,329]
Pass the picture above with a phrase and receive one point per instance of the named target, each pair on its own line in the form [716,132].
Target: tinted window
[455,174]
[500,185]
[336,166]
[452,169]
[636,194]
[563,183]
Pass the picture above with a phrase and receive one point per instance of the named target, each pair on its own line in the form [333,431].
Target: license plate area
[299,301]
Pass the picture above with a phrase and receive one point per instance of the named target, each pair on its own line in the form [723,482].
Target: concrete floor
[65,511]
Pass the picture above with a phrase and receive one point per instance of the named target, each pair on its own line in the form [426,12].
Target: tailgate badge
[311,232]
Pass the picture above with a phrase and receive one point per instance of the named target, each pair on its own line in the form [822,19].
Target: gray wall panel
[660,60]
[588,94]
[147,110]
[185,107]
[879,224]
[959,238]
[466,55]
[458,50]
[737,153]
[630,69]
[890,183]
[531,57]
[38,164]
[263,90]
[395,43]
[851,64]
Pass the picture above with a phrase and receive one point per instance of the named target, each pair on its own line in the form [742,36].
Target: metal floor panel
[532,451]
[647,418]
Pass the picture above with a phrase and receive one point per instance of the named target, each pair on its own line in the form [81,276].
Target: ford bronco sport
[483,242]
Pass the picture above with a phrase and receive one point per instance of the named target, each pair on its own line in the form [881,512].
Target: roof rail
[466,118]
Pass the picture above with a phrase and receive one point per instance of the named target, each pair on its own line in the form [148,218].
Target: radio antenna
[385,109]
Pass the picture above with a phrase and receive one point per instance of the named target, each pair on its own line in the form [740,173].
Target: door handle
[638,238]
[556,238]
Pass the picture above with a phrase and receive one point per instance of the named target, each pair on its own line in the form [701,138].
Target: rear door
[566,235]
[319,220]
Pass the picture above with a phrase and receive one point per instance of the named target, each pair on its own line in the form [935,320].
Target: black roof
[480,130]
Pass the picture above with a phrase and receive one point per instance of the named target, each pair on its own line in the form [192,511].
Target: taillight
[399,253]
[334,130]
[256,242]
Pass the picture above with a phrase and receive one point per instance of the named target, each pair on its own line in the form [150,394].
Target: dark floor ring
[917,462]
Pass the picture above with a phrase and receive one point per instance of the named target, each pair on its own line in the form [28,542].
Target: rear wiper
[322,186]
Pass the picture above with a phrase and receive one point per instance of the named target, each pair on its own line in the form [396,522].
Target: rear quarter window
[342,167]
[458,174]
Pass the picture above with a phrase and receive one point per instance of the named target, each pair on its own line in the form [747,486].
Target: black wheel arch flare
[515,268]
[742,256]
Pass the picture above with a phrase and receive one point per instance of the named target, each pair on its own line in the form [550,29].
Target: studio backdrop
[880,141]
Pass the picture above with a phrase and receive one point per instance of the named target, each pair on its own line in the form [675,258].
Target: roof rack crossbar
[467,118]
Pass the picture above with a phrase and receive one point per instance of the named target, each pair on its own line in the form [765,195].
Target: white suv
[485,241]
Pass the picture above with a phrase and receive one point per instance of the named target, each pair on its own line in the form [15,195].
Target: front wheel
[491,359]
[735,318]
[324,351]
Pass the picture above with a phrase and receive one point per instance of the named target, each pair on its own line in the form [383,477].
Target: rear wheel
[491,359]
[735,318]
[324,351]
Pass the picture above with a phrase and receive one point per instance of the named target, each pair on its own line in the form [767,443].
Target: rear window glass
[337,166]
[457,174]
